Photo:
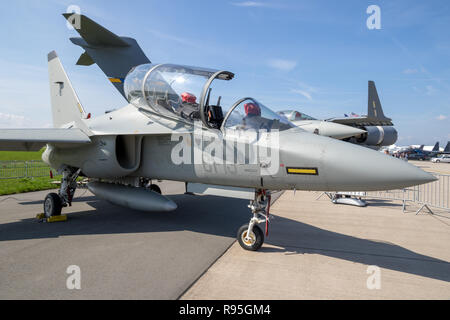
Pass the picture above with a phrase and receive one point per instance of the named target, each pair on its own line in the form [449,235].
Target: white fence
[428,196]
[23,169]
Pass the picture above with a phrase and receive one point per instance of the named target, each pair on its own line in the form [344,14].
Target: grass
[20,155]
[14,186]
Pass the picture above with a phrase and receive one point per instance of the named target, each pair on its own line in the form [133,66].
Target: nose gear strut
[250,236]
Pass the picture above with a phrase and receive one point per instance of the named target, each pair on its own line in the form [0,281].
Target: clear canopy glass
[249,114]
[169,90]
[294,115]
[183,93]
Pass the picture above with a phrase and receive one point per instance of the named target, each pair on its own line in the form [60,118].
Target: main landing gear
[250,236]
[53,202]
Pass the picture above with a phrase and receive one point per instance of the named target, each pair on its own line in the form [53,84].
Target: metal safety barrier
[23,169]
[435,194]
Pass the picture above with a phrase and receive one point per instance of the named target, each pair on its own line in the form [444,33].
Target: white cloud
[283,65]
[410,71]
[304,93]
[250,4]
[441,117]
[305,90]
[8,120]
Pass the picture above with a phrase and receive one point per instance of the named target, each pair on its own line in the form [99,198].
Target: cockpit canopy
[182,93]
[293,115]
[169,90]
[249,114]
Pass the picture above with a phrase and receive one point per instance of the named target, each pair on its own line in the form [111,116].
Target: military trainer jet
[374,130]
[172,129]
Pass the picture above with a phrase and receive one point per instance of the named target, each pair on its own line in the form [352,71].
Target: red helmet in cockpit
[251,109]
[188,97]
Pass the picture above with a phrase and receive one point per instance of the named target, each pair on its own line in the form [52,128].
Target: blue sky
[316,56]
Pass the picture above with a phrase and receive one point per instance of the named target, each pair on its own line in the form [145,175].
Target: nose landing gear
[250,236]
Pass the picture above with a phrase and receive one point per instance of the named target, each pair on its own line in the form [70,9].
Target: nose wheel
[252,241]
[250,236]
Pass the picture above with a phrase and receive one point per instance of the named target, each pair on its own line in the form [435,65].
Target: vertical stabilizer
[66,107]
[447,147]
[436,147]
[374,109]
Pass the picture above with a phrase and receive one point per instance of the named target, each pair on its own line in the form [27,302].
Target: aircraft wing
[35,139]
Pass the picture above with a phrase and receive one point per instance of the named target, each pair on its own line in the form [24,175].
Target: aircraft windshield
[252,115]
[293,115]
[170,90]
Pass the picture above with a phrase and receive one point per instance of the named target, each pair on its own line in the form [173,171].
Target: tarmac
[315,250]
[121,253]
[319,250]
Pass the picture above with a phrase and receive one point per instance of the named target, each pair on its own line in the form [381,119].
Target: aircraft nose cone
[342,166]
[360,168]
[338,131]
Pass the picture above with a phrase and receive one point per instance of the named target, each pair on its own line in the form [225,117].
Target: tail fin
[421,147]
[66,107]
[115,55]
[374,109]
[447,147]
[436,147]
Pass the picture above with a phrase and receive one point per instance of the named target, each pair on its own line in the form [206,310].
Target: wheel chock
[41,217]
[60,218]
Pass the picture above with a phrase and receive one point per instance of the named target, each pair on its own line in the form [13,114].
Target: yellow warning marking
[115,80]
[79,108]
[310,171]
[374,108]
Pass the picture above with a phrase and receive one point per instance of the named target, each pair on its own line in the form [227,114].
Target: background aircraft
[434,148]
[374,130]
[165,133]
[322,127]
[446,149]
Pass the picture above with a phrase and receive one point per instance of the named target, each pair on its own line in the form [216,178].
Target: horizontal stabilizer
[115,55]
[93,33]
[35,139]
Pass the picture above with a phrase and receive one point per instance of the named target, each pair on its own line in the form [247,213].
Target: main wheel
[52,205]
[155,188]
[256,238]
